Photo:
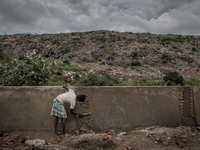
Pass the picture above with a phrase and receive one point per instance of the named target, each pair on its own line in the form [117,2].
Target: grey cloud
[50,16]
[24,12]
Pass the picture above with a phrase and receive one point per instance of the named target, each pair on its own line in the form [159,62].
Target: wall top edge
[96,86]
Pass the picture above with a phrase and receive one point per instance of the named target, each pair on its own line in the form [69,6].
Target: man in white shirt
[58,109]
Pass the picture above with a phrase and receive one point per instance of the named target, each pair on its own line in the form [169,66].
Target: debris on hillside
[100,50]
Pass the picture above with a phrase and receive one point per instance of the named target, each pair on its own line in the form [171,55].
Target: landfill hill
[125,55]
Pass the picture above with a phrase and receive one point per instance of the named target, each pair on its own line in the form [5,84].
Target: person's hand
[80,115]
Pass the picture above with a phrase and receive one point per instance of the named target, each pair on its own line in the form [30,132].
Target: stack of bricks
[191,102]
[181,101]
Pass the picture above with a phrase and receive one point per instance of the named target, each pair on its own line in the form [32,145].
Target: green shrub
[72,68]
[194,49]
[66,61]
[134,54]
[110,57]
[64,50]
[73,33]
[135,63]
[76,39]
[190,59]
[192,81]
[85,59]
[180,50]
[109,49]
[165,57]
[55,83]
[143,82]
[101,39]
[3,56]
[59,72]
[123,64]
[164,61]
[32,71]
[174,46]
[173,78]
[21,57]
[95,80]
[179,38]
[97,57]
[57,78]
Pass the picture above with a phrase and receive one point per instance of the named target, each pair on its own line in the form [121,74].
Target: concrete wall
[197,104]
[123,108]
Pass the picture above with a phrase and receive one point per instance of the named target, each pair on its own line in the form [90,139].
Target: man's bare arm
[72,111]
[65,87]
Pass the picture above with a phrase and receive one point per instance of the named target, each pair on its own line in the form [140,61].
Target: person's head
[81,97]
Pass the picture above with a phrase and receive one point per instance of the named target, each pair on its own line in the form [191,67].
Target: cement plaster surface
[197,104]
[29,108]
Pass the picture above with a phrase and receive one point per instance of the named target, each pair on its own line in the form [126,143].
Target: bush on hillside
[3,56]
[135,63]
[31,71]
[66,61]
[173,78]
[165,57]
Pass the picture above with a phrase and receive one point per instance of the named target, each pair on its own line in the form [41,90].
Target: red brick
[88,132]
[77,132]
[181,145]
[9,143]
[149,136]
[128,148]
[82,129]
[15,137]
[165,143]
[107,137]
[175,136]
[183,140]
[157,139]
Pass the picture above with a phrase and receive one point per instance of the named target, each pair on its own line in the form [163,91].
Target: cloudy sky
[63,16]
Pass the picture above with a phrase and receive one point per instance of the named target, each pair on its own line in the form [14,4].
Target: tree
[173,78]
[31,71]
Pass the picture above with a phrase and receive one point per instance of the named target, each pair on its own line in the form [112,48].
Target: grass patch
[136,63]
[76,40]
[85,59]
[57,78]
[192,81]
[95,80]
[143,82]
[55,83]
[101,39]
[165,57]
[134,54]
[109,48]
[66,61]
[64,49]
[190,59]
[179,38]
[123,64]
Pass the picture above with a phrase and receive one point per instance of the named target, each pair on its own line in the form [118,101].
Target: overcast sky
[63,16]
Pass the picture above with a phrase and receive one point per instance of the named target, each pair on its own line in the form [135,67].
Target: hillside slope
[125,55]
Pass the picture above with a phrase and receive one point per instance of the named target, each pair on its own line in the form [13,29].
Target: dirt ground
[149,138]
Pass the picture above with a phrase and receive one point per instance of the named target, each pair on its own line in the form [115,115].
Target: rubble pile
[154,137]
